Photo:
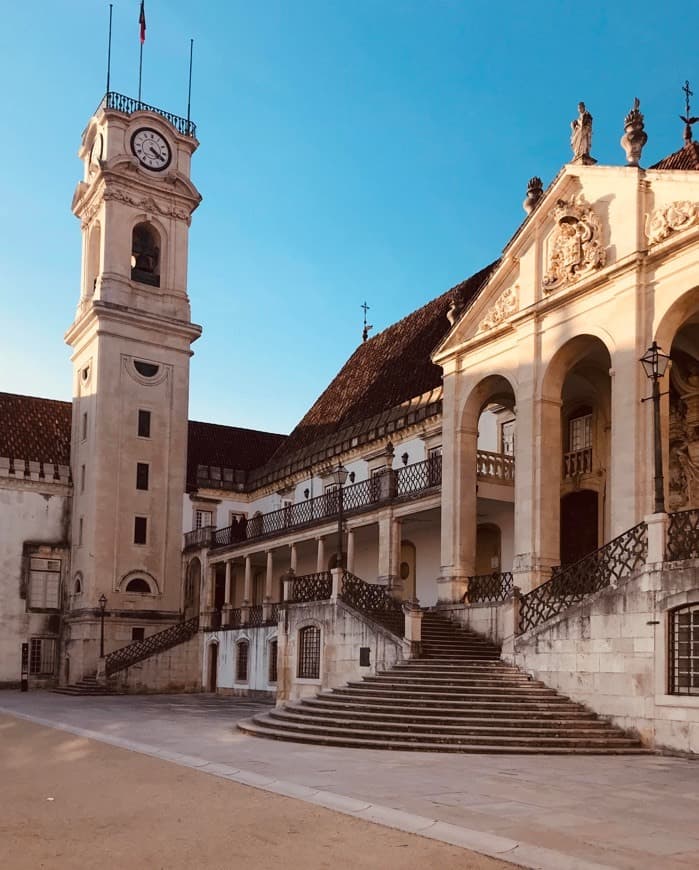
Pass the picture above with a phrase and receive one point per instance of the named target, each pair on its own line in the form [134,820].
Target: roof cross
[367,326]
[688,120]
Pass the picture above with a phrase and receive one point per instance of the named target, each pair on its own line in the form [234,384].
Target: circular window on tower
[146,369]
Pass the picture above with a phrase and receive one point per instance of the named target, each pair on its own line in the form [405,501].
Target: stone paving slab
[626,812]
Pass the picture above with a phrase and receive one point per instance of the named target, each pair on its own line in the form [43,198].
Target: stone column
[350,550]
[209,596]
[320,559]
[293,555]
[247,591]
[389,550]
[269,577]
[458,520]
[624,482]
[227,606]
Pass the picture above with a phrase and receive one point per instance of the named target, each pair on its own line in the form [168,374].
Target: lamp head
[654,362]
[340,474]
[102,601]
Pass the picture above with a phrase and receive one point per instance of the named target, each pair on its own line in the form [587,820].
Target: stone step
[396,690]
[520,711]
[529,727]
[454,680]
[261,729]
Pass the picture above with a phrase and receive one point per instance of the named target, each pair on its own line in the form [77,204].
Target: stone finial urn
[535,190]
[635,137]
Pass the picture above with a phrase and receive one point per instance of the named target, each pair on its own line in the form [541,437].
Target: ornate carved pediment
[148,204]
[671,219]
[506,304]
[576,247]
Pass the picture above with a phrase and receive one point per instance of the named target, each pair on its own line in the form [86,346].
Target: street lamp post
[654,365]
[340,476]
[103,605]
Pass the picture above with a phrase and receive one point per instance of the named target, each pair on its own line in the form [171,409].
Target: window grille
[241,665]
[580,432]
[684,650]
[44,583]
[42,656]
[272,670]
[309,653]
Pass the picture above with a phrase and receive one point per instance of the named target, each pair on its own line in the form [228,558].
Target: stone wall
[174,670]
[343,632]
[610,653]
[257,683]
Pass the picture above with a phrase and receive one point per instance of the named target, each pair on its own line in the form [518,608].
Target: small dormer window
[145,255]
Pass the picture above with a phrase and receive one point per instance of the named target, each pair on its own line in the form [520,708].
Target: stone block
[587,663]
[644,644]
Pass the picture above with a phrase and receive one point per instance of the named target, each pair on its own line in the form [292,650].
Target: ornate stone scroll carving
[148,204]
[684,434]
[671,218]
[506,304]
[576,246]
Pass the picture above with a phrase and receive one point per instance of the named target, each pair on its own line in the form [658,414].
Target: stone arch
[147,578]
[676,312]
[146,252]
[491,388]
[569,353]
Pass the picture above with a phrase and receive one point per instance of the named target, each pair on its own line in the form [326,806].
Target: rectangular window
[138,634]
[141,475]
[140,530]
[309,653]
[82,478]
[83,430]
[203,518]
[80,532]
[580,433]
[44,583]
[272,671]
[434,465]
[144,424]
[684,650]
[507,438]
[42,656]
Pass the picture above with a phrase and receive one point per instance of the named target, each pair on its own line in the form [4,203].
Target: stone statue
[635,137]
[581,136]
[535,190]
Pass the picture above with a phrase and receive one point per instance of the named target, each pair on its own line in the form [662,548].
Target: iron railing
[488,587]
[577,462]
[255,616]
[273,617]
[127,105]
[311,587]
[495,466]
[571,584]
[373,600]
[142,649]
[683,536]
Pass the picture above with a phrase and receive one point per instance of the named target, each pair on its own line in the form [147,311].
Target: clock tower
[131,348]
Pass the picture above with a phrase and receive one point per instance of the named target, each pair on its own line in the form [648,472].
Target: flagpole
[189,91]
[140,71]
[109,47]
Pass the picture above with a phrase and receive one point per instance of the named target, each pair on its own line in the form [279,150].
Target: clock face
[151,149]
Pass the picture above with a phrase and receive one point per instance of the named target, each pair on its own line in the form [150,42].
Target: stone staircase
[87,686]
[458,697]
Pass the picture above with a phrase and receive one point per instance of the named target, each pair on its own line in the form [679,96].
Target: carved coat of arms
[576,247]
[672,218]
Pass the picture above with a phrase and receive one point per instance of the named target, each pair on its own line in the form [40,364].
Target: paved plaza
[552,812]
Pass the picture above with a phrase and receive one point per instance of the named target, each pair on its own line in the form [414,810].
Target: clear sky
[372,149]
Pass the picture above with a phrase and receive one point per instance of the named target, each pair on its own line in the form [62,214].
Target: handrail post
[516,605]
[337,574]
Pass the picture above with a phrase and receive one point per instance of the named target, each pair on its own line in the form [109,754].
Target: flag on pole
[142,22]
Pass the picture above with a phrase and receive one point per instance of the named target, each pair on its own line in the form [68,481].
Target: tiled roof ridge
[229,428]
[5,394]
[685,159]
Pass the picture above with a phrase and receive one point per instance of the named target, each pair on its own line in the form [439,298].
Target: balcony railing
[483,588]
[683,535]
[577,462]
[199,537]
[495,466]
[404,482]
[127,105]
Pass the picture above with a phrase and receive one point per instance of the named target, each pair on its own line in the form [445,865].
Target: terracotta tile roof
[39,430]
[211,444]
[686,158]
[384,372]
[35,429]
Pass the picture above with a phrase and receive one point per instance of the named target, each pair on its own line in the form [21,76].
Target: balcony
[577,462]
[128,106]
[199,537]
[402,484]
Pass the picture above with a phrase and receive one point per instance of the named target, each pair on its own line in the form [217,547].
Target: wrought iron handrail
[140,650]
[255,616]
[373,600]
[127,105]
[488,587]
[683,535]
[311,587]
[571,584]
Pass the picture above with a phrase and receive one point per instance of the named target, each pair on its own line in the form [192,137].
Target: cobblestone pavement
[556,812]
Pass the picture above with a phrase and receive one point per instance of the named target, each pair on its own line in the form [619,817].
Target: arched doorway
[488,548]
[212,668]
[579,525]
[192,589]
[406,569]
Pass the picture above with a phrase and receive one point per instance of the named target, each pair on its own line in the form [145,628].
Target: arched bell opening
[145,254]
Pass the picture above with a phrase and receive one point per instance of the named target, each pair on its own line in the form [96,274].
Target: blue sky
[372,150]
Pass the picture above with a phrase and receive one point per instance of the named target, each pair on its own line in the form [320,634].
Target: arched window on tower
[93,260]
[145,255]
